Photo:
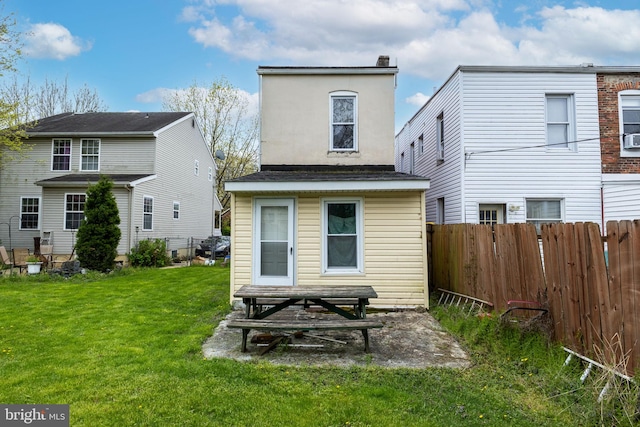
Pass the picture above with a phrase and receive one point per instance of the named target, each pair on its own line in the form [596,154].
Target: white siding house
[151,159]
[509,144]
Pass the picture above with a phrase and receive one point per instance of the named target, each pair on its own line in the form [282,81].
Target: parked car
[222,247]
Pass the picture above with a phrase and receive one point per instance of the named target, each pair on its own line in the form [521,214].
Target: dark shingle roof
[335,175]
[81,179]
[104,123]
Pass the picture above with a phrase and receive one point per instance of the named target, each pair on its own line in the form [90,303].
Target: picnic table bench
[281,297]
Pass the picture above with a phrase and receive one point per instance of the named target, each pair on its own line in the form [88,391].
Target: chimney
[383,61]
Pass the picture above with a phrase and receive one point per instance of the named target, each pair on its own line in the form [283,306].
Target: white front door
[273,242]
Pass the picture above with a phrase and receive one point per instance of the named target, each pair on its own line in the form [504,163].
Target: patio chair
[46,254]
[20,256]
[6,261]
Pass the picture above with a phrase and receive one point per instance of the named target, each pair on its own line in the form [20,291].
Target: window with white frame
[344,113]
[61,155]
[90,155]
[412,158]
[196,168]
[421,143]
[440,137]
[630,117]
[147,213]
[29,213]
[543,211]
[342,236]
[559,114]
[210,174]
[176,210]
[73,210]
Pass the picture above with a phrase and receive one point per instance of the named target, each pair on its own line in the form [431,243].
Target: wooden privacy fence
[595,308]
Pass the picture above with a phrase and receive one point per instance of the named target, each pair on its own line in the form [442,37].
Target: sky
[134,52]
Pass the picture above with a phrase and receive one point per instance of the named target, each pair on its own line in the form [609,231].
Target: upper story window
[440,137]
[543,211]
[210,174]
[630,122]
[344,113]
[412,158]
[61,155]
[196,168]
[29,213]
[176,210]
[147,213]
[421,144]
[560,122]
[73,210]
[90,155]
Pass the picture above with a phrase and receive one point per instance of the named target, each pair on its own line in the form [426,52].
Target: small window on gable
[421,143]
[210,174]
[61,155]
[90,155]
[344,129]
[196,168]
[440,137]
[176,210]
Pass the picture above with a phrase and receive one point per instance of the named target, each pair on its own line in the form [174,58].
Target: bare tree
[50,98]
[223,115]
[12,132]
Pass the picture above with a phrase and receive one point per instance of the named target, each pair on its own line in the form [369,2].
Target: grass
[125,350]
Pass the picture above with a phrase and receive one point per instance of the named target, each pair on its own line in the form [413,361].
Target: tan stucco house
[327,207]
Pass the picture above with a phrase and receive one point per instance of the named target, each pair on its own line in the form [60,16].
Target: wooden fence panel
[610,303]
[633,321]
[553,279]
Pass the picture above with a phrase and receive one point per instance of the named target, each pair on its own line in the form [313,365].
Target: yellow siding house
[327,207]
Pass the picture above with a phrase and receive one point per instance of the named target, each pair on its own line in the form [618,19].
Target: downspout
[130,201]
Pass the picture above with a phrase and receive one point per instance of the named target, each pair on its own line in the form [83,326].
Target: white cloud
[418,99]
[54,41]
[428,38]
[154,95]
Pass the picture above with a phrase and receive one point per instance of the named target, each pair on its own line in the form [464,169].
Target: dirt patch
[409,339]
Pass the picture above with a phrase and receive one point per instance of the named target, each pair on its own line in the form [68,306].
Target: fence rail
[595,305]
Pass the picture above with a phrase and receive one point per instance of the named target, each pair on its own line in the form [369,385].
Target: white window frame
[440,211]
[68,156]
[538,221]
[37,212]
[84,155]
[621,95]
[146,213]
[412,158]
[68,211]
[343,95]
[359,209]
[421,144]
[210,174]
[440,137]
[196,168]
[176,210]
[570,143]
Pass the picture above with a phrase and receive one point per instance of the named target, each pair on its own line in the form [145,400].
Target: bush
[150,253]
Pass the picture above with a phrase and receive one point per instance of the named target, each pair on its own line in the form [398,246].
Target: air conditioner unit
[632,141]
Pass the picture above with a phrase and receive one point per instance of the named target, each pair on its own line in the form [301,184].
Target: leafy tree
[223,115]
[12,131]
[99,234]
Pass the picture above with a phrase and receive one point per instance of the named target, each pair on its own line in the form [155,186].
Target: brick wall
[608,87]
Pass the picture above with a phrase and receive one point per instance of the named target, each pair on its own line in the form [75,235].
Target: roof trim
[268,70]
[327,186]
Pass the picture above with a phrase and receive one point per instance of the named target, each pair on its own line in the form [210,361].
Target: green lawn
[125,350]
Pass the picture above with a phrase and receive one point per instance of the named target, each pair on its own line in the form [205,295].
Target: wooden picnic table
[281,297]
